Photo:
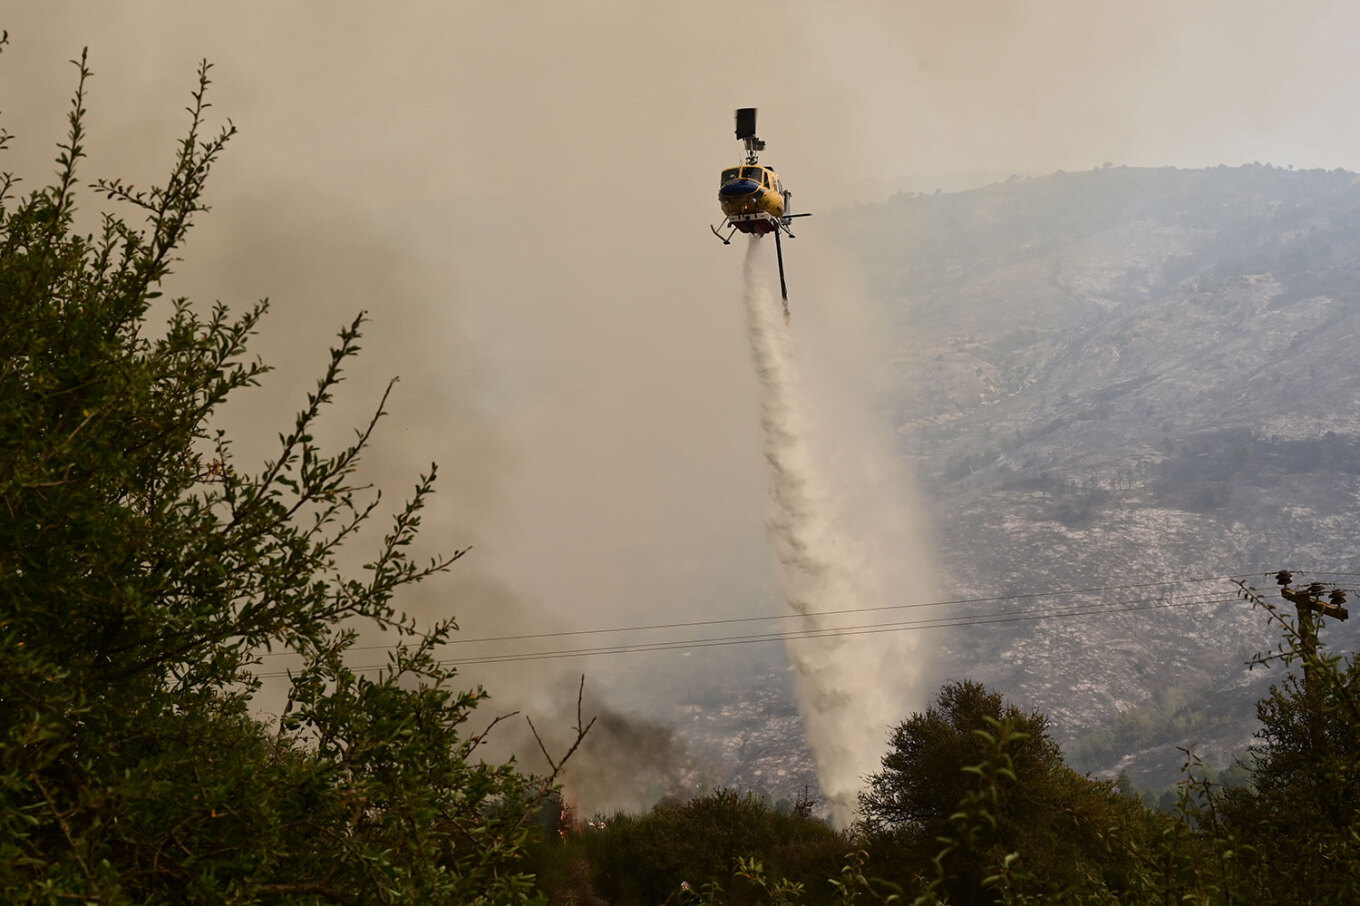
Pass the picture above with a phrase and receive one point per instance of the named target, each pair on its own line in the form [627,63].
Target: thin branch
[65,828]
[581,732]
[480,738]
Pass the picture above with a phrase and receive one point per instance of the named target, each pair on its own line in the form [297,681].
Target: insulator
[1284,577]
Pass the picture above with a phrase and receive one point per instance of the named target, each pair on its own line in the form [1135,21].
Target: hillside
[1121,377]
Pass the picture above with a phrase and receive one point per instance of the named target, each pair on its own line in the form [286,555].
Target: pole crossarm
[1311,599]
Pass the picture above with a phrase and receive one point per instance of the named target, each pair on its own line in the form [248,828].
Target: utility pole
[1309,602]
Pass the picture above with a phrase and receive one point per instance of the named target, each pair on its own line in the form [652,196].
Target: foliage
[1300,816]
[975,805]
[970,744]
[646,858]
[143,572]
[970,863]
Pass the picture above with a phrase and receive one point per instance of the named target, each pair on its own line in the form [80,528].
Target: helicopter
[752,198]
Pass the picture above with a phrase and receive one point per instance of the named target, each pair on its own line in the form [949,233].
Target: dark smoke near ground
[628,764]
[624,763]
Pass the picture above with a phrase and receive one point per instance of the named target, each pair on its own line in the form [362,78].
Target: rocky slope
[1125,377]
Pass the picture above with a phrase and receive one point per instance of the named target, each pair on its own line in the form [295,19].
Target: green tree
[142,573]
[1299,819]
[724,842]
[1041,817]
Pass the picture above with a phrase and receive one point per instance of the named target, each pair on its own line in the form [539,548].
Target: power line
[1316,572]
[691,624]
[832,632]
[1033,614]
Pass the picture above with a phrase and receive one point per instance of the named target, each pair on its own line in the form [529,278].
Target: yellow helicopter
[753,199]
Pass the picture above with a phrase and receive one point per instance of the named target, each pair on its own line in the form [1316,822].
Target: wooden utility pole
[1309,602]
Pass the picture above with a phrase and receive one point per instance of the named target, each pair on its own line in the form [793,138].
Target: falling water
[835,548]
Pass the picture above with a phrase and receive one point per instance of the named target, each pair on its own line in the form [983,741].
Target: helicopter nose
[738,187]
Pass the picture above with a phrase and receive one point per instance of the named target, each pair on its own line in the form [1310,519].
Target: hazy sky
[423,94]
[519,194]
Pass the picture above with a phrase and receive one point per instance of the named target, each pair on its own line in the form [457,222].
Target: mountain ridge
[1122,376]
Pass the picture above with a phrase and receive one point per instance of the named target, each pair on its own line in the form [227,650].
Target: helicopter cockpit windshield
[759,175]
